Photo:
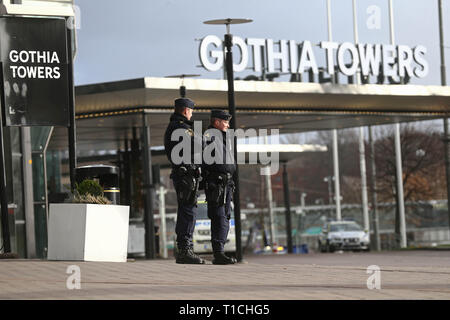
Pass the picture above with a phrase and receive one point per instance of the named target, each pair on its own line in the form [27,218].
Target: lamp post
[362,152]
[230,78]
[398,154]
[335,135]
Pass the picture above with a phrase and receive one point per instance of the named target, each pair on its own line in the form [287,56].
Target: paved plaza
[403,275]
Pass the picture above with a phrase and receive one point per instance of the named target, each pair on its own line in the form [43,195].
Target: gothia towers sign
[293,57]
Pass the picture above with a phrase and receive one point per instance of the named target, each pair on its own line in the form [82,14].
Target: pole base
[9,255]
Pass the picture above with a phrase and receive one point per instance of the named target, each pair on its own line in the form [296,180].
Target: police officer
[219,185]
[185,175]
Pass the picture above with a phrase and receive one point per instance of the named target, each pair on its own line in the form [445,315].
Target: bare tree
[317,166]
[422,158]
[422,155]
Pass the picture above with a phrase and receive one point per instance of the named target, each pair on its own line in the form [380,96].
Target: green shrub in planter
[90,191]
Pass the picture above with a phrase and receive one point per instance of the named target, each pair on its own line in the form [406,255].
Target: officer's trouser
[220,220]
[184,228]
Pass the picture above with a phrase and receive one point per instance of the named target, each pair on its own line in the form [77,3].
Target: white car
[343,235]
[202,232]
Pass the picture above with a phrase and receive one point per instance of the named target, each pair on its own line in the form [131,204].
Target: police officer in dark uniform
[185,175]
[219,185]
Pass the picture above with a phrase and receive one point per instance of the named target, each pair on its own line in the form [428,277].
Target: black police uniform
[219,187]
[185,176]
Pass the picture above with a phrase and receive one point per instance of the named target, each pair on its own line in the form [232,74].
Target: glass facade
[14,178]
[39,138]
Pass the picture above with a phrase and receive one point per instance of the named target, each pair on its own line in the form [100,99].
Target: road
[403,275]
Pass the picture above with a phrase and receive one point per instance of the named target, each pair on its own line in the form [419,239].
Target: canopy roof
[107,112]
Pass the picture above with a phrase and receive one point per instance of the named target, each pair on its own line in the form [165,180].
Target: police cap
[184,102]
[220,114]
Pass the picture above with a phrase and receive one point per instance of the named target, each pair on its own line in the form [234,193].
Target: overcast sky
[129,39]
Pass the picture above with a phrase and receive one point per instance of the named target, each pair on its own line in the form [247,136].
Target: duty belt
[224,176]
[187,169]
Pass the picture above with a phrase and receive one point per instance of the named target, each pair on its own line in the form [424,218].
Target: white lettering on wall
[29,71]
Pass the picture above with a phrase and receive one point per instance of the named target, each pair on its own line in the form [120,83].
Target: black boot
[187,256]
[221,258]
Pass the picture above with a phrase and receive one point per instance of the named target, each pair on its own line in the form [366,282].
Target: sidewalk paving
[410,275]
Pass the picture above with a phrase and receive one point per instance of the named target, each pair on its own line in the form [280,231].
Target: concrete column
[401,203]
[337,190]
[162,214]
[149,191]
[376,229]
[362,165]
[270,204]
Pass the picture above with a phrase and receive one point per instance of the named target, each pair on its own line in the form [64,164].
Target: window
[345,227]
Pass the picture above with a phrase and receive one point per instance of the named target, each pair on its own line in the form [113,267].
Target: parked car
[343,235]
[202,231]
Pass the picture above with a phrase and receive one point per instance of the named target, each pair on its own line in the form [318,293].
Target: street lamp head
[227,22]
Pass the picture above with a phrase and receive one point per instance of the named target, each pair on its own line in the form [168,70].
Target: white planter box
[88,232]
